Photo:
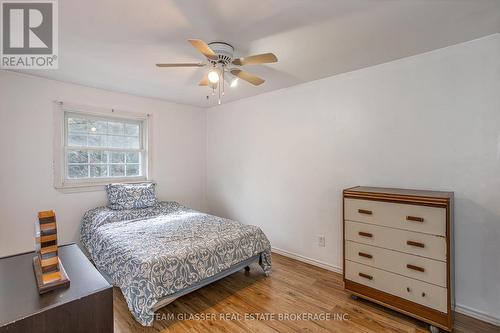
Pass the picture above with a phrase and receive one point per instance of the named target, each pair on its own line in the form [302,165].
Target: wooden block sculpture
[49,271]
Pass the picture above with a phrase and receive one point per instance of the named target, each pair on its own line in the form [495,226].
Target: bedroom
[384,94]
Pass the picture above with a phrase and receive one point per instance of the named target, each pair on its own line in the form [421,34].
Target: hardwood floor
[247,302]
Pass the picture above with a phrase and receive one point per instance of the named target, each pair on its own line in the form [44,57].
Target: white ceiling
[114,44]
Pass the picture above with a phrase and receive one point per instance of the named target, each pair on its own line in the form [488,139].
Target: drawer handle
[415,268]
[423,294]
[415,218]
[416,244]
[408,289]
[365,211]
[366,255]
[365,234]
[366,276]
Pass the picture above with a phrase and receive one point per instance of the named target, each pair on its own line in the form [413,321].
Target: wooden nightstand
[86,306]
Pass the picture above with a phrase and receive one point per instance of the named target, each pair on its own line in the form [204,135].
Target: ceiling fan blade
[203,48]
[264,58]
[255,80]
[204,80]
[181,65]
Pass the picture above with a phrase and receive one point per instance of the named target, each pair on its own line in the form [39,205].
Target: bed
[159,253]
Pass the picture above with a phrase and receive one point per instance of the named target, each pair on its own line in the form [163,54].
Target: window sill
[74,187]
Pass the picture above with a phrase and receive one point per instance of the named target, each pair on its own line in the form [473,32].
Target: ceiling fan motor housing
[224,52]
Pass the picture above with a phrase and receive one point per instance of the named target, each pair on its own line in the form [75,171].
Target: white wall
[280,160]
[26,144]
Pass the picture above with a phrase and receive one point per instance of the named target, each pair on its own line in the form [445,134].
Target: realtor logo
[29,37]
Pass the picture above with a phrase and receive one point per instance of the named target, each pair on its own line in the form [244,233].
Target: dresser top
[400,192]
[19,296]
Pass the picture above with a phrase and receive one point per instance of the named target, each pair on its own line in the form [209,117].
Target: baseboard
[458,308]
[307,260]
[477,314]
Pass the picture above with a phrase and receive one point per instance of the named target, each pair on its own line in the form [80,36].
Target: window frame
[61,180]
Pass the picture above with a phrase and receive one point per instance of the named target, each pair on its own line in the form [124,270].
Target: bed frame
[170,298]
[245,264]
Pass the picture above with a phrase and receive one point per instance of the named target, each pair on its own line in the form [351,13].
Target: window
[99,147]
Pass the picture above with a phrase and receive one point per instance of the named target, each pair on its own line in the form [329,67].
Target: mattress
[155,252]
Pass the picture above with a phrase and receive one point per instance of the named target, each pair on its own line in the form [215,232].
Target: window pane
[98,126]
[77,140]
[78,171]
[98,170]
[76,125]
[97,141]
[103,133]
[117,170]
[116,128]
[117,141]
[132,129]
[132,142]
[132,158]
[113,145]
[96,157]
[132,169]
[77,156]
[117,157]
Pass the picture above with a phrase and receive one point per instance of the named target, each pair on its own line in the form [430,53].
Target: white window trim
[82,185]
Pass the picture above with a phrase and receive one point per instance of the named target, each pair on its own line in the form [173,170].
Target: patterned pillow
[129,196]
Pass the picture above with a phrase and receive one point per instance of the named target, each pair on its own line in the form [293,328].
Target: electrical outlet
[321,241]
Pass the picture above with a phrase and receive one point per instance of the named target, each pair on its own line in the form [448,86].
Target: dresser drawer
[415,267]
[414,243]
[413,290]
[430,220]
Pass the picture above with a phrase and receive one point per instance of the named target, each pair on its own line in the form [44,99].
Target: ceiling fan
[219,56]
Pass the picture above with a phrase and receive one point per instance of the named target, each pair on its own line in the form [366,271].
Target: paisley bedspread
[154,252]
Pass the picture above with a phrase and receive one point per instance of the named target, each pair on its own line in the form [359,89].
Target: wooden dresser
[85,306]
[398,251]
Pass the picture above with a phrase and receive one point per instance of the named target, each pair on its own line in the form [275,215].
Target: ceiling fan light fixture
[213,76]
[220,61]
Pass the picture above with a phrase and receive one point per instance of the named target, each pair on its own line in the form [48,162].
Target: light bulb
[234,83]
[213,76]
